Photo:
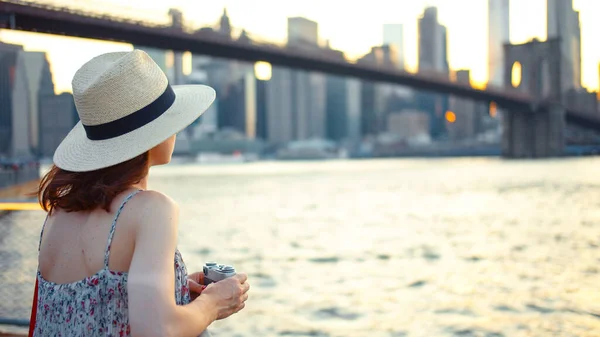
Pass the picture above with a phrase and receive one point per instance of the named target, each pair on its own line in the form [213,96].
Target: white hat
[126,107]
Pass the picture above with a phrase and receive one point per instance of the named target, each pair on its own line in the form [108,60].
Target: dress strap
[114,225]
[42,231]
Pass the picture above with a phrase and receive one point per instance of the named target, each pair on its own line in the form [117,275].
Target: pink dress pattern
[96,305]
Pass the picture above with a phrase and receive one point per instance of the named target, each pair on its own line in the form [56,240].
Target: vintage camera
[214,272]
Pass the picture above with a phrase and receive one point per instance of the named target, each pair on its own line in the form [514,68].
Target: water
[450,247]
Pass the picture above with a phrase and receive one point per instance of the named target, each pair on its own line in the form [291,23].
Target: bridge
[533,124]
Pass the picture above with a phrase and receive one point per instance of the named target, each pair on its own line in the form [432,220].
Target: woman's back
[108,258]
[84,259]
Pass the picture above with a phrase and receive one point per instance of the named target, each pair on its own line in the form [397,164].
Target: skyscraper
[498,35]
[279,128]
[433,49]
[39,85]
[208,122]
[302,30]
[262,131]
[444,50]
[238,106]
[464,110]
[353,106]
[8,80]
[177,23]
[58,118]
[307,88]
[21,112]
[336,108]
[393,35]
[225,25]
[25,81]
[308,105]
[343,109]
[374,96]
[433,61]
[563,23]
[250,105]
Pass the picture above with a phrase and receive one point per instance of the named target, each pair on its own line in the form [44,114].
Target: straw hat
[126,107]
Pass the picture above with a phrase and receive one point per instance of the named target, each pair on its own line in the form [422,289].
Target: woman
[108,261]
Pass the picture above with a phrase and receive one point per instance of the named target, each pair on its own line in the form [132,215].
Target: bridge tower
[534,68]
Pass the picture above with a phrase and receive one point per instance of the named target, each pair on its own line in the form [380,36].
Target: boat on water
[219,158]
[311,149]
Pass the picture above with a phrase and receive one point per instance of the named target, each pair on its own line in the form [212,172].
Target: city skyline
[342,31]
[498,34]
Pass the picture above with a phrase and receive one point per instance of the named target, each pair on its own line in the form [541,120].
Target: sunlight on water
[449,247]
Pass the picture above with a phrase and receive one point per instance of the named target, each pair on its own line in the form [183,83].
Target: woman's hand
[196,284]
[228,296]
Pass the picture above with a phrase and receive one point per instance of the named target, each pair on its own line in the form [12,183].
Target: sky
[351,26]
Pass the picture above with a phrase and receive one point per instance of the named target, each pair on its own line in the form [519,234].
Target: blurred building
[563,23]
[232,107]
[353,108]
[262,130]
[250,105]
[308,89]
[40,86]
[393,35]
[433,49]
[208,122]
[436,106]
[221,72]
[25,81]
[218,72]
[238,107]
[278,107]
[498,35]
[433,62]
[302,31]
[225,141]
[177,23]
[410,125]
[228,79]
[343,109]
[384,56]
[464,110]
[14,103]
[58,117]
[225,28]
[374,96]
[308,105]
[316,119]
[487,120]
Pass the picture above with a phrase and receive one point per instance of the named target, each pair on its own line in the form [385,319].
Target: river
[397,248]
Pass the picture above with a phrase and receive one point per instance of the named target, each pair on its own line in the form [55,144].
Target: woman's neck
[143,184]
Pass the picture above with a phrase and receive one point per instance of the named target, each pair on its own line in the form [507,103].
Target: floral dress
[96,305]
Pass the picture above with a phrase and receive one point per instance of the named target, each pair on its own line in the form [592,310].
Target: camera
[214,272]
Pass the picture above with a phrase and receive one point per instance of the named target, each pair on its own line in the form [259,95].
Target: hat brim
[77,153]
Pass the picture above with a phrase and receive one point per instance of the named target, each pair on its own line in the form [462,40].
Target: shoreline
[19,191]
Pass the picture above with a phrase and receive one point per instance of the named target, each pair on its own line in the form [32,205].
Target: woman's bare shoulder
[154,198]
[152,207]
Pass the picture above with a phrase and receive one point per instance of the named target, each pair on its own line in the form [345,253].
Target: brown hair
[86,191]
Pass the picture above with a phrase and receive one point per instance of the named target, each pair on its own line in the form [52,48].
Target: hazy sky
[351,26]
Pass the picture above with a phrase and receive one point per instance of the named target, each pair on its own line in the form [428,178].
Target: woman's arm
[151,289]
